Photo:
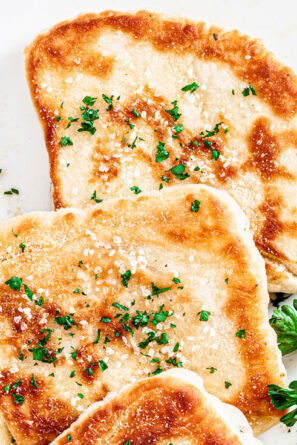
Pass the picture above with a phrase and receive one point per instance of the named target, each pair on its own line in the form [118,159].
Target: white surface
[23,156]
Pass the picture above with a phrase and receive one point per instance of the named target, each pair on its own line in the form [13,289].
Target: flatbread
[170,408]
[144,60]
[195,273]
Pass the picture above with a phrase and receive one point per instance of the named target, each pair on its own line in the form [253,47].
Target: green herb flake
[241,333]
[105,320]
[66,321]
[12,191]
[68,437]
[81,396]
[179,172]
[176,347]
[174,111]
[176,280]
[102,365]
[195,205]
[108,100]
[22,247]
[89,101]
[58,118]
[215,36]
[157,290]
[135,114]
[33,382]
[161,154]
[212,370]
[94,197]
[72,374]
[65,140]
[126,277]
[14,283]
[135,189]
[204,315]
[227,384]
[191,87]
[98,337]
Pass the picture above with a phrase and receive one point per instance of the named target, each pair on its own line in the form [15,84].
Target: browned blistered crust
[55,243]
[276,85]
[158,410]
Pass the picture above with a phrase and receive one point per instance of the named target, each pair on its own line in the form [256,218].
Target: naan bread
[173,407]
[197,294]
[144,61]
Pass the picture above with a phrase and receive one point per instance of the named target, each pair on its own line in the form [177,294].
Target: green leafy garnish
[89,101]
[97,338]
[33,382]
[135,114]
[212,370]
[108,100]
[240,333]
[204,315]
[157,290]
[12,191]
[195,205]
[246,91]
[94,197]
[174,111]
[227,385]
[284,322]
[126,277]
[179,172]
[191,87]
[66,321]
[65,140]
[161,154]
[22,247]
[135,189]
[215,36]
[102,365]
[282,398]
[14,283]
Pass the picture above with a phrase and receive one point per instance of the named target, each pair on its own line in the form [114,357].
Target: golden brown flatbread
[170,408]
[179,101]
[94,299]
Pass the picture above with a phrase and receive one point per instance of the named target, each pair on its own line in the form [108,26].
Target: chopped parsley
[68,437]
[126,277]
[14,283]
[191,87]
[212,370]
[246,91]
[135,189]
[204,315]
[89,101]
[58,118]
[227,384]
[65,140]
[97,338]
[157,290]
[161,154]
[66,321]
[102,365]
[94,197]
[240,333]
[215,36]
[135,114]
[174,111]
[12,191]
[108,100]
[22,247]
[179,172]
[195,205]
[176,280]
[33,382]
[105,320]
[178,129]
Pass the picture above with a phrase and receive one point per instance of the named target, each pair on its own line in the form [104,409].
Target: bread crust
[75,259]
[147,58]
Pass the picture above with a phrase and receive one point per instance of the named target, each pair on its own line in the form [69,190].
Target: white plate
[23,157]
